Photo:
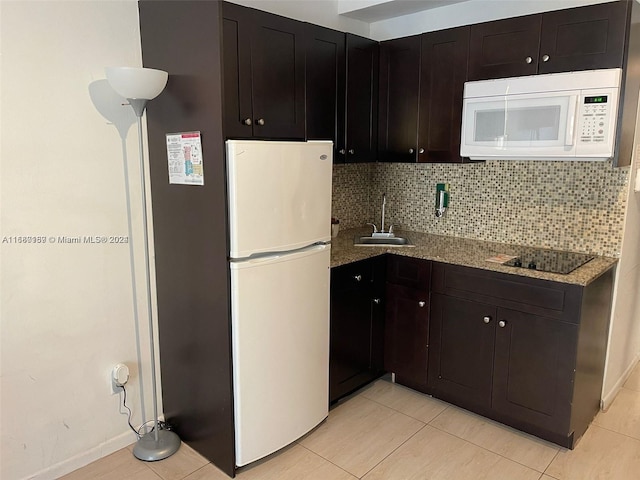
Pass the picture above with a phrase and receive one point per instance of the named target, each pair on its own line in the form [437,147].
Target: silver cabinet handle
[528,59]
[421,304]
[502,324]
[357,278]
[411,150]
[351,151]
[342,151]
[247,121]
[545,58]
[260,121]
[486,319]
[421,150]
[376,301]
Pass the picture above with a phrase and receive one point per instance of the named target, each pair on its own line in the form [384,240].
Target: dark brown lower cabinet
[462,347]
[357,326]
[529,353]
[533,369]
[406,344]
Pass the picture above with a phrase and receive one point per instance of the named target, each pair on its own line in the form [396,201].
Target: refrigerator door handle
[278,256]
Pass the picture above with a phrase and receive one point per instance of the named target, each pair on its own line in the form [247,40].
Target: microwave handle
[571,124]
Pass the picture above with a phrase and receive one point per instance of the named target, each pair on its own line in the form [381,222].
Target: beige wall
[67,309]
[624,338]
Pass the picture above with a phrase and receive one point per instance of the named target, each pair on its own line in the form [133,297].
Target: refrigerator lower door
[280,334]
[279,195]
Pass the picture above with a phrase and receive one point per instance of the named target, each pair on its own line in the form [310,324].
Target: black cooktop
[553,261]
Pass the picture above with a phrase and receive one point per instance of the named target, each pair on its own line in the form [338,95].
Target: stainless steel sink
[368,241]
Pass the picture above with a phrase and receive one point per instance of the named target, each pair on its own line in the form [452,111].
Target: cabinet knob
[260,121]
[351,151]
[421,304]
[421,150]
[342,151]
[486,319]
[357,278]
[377,301]
[411,150]
[528,59]
[247,121]
[502,324]
[545,58]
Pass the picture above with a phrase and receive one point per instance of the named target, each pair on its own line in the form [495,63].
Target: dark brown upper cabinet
[362,100]
[581,38]
[442,76]
[342,89]
[421,84]
[325,86]
[399,94]
[264,74]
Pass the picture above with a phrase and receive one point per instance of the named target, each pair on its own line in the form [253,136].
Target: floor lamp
[138,86]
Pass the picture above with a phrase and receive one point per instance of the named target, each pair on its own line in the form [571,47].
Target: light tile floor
[386,431]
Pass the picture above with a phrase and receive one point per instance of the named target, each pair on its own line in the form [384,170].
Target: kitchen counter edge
[459,251]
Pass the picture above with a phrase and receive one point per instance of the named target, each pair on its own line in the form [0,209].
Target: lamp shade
[137,83]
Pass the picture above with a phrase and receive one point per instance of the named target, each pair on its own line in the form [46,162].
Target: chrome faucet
[384,204]
[381,232]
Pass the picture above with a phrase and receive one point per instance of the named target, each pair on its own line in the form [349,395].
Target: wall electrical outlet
[119,377]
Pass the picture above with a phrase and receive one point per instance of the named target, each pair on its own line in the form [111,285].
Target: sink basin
[369,241]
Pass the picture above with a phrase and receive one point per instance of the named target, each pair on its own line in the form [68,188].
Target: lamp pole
[138,86]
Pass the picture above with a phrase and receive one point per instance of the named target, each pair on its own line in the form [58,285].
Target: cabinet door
[407,335]
[534,364]
[444,71]
[362,99]
[461,350]
[584,38]
[236,31]
[398,113]
[350,337]
[263,74]
[504,48]
[379,265]
[325,85]
[277,74]
[413,273]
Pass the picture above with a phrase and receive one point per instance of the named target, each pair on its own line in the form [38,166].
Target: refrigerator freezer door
[280,334]
[279,195]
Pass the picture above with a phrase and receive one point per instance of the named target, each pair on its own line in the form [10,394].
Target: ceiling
[375,10]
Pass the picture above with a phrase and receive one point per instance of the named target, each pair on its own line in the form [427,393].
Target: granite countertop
[458,251]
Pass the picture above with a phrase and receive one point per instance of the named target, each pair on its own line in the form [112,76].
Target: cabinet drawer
[540,297]
[413,273]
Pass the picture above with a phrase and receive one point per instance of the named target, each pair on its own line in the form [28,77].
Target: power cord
[161,425]
[124,404]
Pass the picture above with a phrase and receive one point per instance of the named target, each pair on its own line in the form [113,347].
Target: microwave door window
[520,122]
[489,125]
[530,125]
[522,126]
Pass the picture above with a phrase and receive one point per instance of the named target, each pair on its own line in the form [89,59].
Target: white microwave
[559,116]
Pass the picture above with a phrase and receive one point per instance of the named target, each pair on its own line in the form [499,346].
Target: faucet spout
[384,204]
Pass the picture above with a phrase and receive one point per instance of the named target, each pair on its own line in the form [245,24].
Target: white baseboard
[608,399]
[84,458]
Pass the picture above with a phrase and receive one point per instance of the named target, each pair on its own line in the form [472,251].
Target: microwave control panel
[594,114]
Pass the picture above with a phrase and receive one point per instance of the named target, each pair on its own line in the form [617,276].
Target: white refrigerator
[279,260]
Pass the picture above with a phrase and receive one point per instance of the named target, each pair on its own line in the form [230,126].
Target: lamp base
[148,450]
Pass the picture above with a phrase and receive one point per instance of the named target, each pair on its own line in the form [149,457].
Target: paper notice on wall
[184,154]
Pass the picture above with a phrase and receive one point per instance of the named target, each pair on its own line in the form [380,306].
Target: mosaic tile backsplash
[574,206]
